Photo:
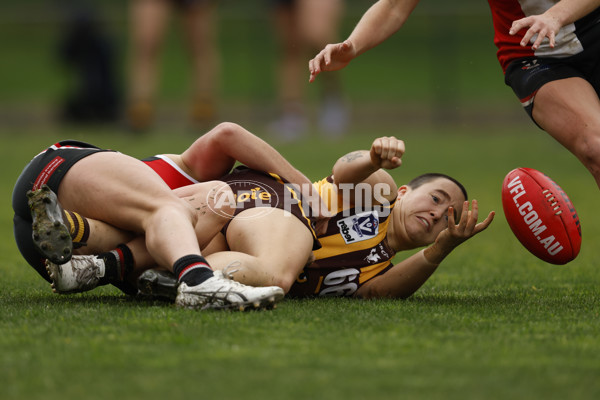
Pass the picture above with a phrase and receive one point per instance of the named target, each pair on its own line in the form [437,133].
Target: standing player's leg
[291,121]
[148,21]
[319,23]
[569,110]
[199,21]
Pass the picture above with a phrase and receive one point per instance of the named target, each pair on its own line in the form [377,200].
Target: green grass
[494,322]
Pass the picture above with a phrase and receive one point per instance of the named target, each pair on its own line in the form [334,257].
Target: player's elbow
[227,132]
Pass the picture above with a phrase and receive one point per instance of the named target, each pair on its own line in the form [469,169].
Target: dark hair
[423,179]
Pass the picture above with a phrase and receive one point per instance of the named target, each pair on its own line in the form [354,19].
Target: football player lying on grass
[126,194]
[372,219]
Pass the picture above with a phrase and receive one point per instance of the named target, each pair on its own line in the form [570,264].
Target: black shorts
[254,189]
[527,75]
[48,167]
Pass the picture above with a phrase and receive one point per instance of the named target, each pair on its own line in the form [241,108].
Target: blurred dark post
[85,49]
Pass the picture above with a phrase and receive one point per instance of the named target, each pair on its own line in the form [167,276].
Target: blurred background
[88,63]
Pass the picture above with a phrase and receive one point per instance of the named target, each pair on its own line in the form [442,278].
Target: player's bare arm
[379,22]
[548,24]
[213,155]
[368,167]
[406,277]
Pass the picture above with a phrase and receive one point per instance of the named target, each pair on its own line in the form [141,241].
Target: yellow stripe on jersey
[277,178]
[327,191]
[335,245]
[369,272]
[319,284]
[295,196]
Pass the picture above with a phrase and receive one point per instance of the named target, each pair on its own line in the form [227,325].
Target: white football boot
[80,274]
[221,292]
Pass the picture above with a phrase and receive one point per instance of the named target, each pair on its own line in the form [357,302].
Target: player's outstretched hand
[467,227]
[386,152]
[331,58]
[544,26]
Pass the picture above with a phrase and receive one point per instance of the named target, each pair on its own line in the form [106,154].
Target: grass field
[493,322]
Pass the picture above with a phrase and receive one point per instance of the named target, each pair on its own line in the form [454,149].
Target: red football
[541,215]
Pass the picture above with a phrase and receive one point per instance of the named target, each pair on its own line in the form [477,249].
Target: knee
[286,277]
[175,210]
[587,149]
[262,273]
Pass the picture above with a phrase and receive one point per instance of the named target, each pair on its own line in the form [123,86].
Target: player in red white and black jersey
[548,49]
[121,191]
[578,33]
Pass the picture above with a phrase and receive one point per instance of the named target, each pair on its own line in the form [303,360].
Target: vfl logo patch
[360,227]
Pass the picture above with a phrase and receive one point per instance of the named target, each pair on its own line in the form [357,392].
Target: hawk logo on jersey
[360,227]
[373,257]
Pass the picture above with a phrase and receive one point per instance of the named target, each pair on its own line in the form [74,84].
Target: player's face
[424,210]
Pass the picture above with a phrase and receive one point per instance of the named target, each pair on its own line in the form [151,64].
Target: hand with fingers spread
[456,234]
[386,152]
[332,58]
[539,26]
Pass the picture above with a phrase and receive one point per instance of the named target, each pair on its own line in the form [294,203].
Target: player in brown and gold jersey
[374,219]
